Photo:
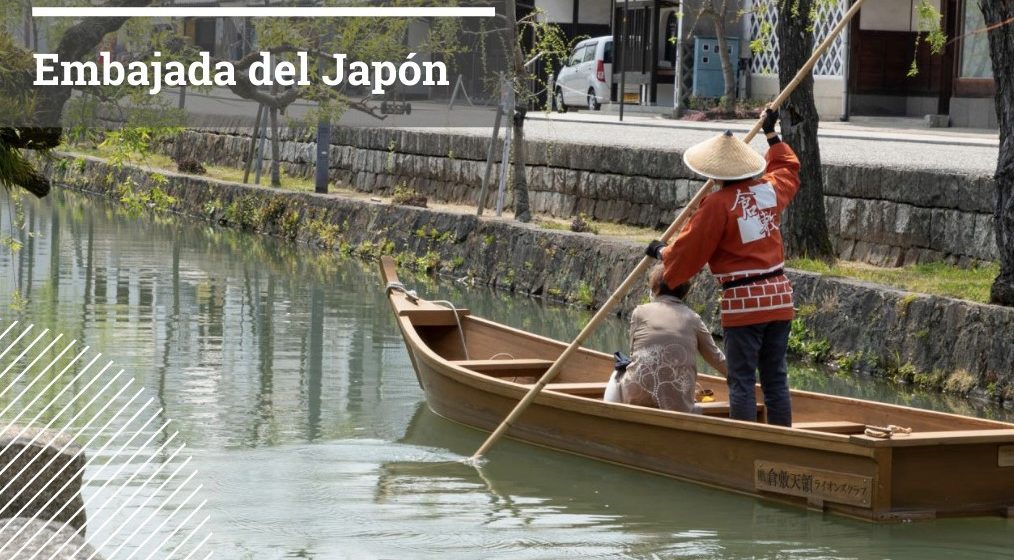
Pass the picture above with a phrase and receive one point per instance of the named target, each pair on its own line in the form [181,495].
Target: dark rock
[42,474]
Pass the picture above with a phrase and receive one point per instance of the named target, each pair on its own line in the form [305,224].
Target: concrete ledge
[877,215]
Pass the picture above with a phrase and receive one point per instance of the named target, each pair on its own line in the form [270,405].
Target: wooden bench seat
[721,409]
[592,390]
[832,426]
[507,368]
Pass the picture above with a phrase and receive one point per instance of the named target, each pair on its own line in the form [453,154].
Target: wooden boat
[474,371]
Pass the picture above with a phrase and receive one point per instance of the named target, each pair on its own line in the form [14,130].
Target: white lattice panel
[828,15]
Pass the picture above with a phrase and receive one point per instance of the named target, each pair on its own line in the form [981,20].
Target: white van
[587,78]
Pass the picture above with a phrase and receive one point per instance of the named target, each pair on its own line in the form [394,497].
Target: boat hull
[928,474]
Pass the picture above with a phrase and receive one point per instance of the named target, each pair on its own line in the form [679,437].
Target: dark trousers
[761,348]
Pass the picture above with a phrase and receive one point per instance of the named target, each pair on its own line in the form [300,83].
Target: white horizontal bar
[253,11]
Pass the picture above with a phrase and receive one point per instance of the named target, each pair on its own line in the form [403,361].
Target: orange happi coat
[736,232]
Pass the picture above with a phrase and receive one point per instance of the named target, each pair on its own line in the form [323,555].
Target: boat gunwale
[1000,425]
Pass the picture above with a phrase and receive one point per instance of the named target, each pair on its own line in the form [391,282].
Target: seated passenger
[665,337]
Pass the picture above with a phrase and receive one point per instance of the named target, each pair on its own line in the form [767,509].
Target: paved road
[899,144]
[904,150]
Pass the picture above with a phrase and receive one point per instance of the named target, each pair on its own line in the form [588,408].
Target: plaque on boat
[1005,456]
[816,485]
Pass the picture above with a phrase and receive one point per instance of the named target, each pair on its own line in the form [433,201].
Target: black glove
[620,363]
[654,249]
[770,118]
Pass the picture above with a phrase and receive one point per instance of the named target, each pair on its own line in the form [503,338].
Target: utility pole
[323,145]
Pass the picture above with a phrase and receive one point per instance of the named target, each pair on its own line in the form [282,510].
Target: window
[607,53]
[589,52]
[975,61]
[576,57]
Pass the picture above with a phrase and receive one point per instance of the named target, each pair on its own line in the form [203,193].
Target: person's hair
[658,286]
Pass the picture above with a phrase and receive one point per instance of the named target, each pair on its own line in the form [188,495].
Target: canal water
[283,371]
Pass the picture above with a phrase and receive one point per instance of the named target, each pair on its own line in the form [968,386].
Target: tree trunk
[521,210]
[276,176]
[728,102]
[1001,51]
[805,222]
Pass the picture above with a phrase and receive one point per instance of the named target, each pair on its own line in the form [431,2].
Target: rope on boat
[509,357]
[399,287]
[413,297]
[887,432]
[457,317]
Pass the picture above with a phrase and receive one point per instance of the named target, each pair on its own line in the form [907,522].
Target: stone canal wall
[939,342]
[881,216]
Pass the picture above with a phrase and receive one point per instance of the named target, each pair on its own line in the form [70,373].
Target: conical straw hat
[724,157]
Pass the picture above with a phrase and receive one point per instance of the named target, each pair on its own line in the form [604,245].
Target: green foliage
[128,143]
[550,43]
[929,380]
[290,224]
[212,207]
[329,235]
[18,302]
[585,294]
[17,67]
[13,245]
[805,344]
[359,38]
[243,212]
[961,382]
[550,224]
[428,262]
[406,195]
[806,310]
[762,43]
[903,303]
[972,283]
[929,31]
[136,201]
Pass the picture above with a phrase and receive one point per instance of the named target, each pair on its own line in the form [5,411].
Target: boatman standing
[736,233]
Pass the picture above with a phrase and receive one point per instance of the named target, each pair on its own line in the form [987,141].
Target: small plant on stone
[190,166]
[290,224]
[582,224]
[407,196]
[585,294]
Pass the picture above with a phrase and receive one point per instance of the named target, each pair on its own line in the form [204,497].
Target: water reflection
[636,515]
[284,371]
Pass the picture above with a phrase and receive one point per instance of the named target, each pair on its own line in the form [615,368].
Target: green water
[284,372]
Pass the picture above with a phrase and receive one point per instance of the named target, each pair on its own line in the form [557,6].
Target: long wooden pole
[676,226]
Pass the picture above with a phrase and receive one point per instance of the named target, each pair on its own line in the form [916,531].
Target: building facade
[868,69]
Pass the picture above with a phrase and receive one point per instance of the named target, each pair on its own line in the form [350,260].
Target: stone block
[42,474]
[984,243]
